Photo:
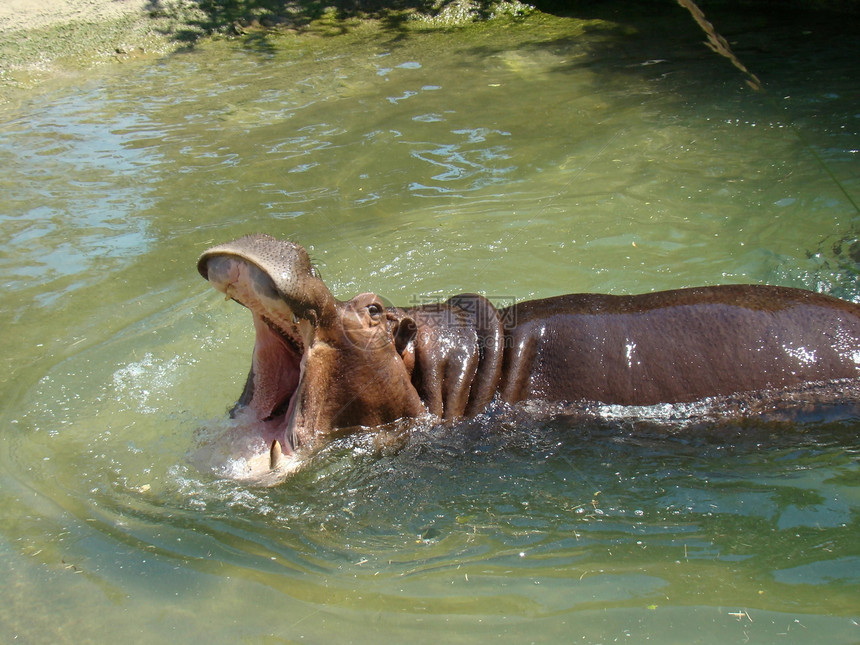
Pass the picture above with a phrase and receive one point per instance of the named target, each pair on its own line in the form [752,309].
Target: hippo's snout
[239,279]
[269,270]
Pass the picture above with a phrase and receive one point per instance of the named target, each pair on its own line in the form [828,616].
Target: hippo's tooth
[275,455]
[295,319]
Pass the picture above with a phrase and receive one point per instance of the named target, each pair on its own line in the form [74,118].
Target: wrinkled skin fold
[321,366]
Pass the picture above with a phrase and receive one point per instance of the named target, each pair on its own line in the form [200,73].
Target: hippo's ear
[403,332]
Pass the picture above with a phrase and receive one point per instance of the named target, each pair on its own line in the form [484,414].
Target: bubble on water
[145,381]
[786,201]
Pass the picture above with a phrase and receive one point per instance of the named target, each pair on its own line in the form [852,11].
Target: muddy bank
[56,37]
[41,40]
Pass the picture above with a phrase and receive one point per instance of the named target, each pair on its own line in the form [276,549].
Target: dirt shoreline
[19,15]
[43,40]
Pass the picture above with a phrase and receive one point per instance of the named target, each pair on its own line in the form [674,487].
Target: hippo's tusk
[275,455]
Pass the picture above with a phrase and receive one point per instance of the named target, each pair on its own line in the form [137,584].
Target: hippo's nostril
[220,271]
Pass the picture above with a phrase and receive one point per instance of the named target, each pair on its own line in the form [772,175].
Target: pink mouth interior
[277,371]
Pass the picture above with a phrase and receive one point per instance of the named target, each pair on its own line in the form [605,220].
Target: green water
[519,161]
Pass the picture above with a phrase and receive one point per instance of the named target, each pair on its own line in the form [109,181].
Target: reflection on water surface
[519,161]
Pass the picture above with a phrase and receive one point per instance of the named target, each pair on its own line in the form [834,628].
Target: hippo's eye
[374,309]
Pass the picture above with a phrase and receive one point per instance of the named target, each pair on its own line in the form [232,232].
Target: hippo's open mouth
[269,401]
[270,394]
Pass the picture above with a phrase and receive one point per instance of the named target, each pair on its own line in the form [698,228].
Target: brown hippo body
[677,346]
[321,366]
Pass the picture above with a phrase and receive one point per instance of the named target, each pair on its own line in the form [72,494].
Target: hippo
[322,367]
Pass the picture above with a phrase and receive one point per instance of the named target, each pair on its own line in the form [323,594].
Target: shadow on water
[193,18]
[751,41]
[233,17]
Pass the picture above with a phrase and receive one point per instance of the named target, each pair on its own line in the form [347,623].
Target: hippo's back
[675,346]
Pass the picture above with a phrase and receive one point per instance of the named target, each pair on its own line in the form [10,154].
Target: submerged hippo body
[321,365]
